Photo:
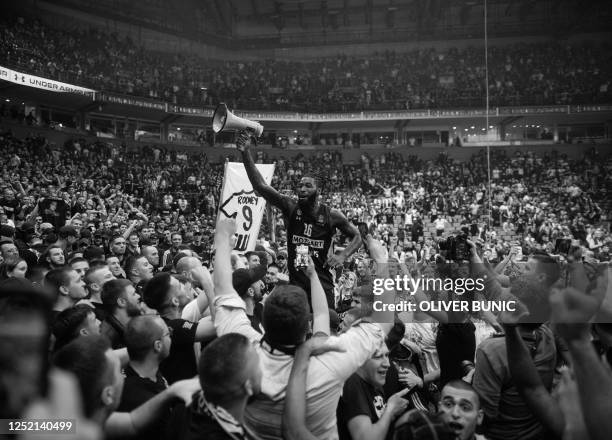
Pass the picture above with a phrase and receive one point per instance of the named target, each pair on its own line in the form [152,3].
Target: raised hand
[409,379]
[573,308]
[226,227]
[397,404]
[377,250]
[336,260]
[310,269]
[243,140]
[201,275]
[184,389]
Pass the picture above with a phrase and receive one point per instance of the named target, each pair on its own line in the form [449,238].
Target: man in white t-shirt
[285,320]
[440,224]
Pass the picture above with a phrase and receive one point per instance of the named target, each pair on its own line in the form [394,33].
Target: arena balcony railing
[434,98]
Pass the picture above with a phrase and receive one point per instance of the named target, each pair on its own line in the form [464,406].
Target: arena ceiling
[285,23]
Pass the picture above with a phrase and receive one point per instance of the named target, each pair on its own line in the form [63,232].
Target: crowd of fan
[519,74]
[122,244]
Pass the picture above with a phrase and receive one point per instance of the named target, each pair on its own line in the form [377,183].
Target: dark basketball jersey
[316,232]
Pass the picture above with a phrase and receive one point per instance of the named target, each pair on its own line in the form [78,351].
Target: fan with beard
[308,223]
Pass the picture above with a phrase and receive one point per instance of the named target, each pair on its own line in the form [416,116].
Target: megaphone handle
[250,131]
[250,139]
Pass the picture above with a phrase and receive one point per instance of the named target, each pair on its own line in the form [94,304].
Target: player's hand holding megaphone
[243,139]
[225,120]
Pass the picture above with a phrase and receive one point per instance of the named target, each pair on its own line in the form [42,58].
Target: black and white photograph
[306,219]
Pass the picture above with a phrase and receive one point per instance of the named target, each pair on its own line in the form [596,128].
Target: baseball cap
[242,279]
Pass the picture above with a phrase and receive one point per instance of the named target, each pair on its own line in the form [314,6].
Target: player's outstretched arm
[259,184]
[350,230]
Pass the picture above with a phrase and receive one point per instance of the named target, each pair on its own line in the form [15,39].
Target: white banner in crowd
[25,79]
[238,200]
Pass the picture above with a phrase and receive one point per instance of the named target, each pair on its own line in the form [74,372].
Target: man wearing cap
[98,237]
[197,245]
[247,283]
[25,230]
[281,261]
[272,277]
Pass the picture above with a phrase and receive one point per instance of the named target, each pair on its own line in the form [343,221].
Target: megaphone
[224,120]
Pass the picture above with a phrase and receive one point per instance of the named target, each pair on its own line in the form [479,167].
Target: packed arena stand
[519,74]
[404,198]
[152,219]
